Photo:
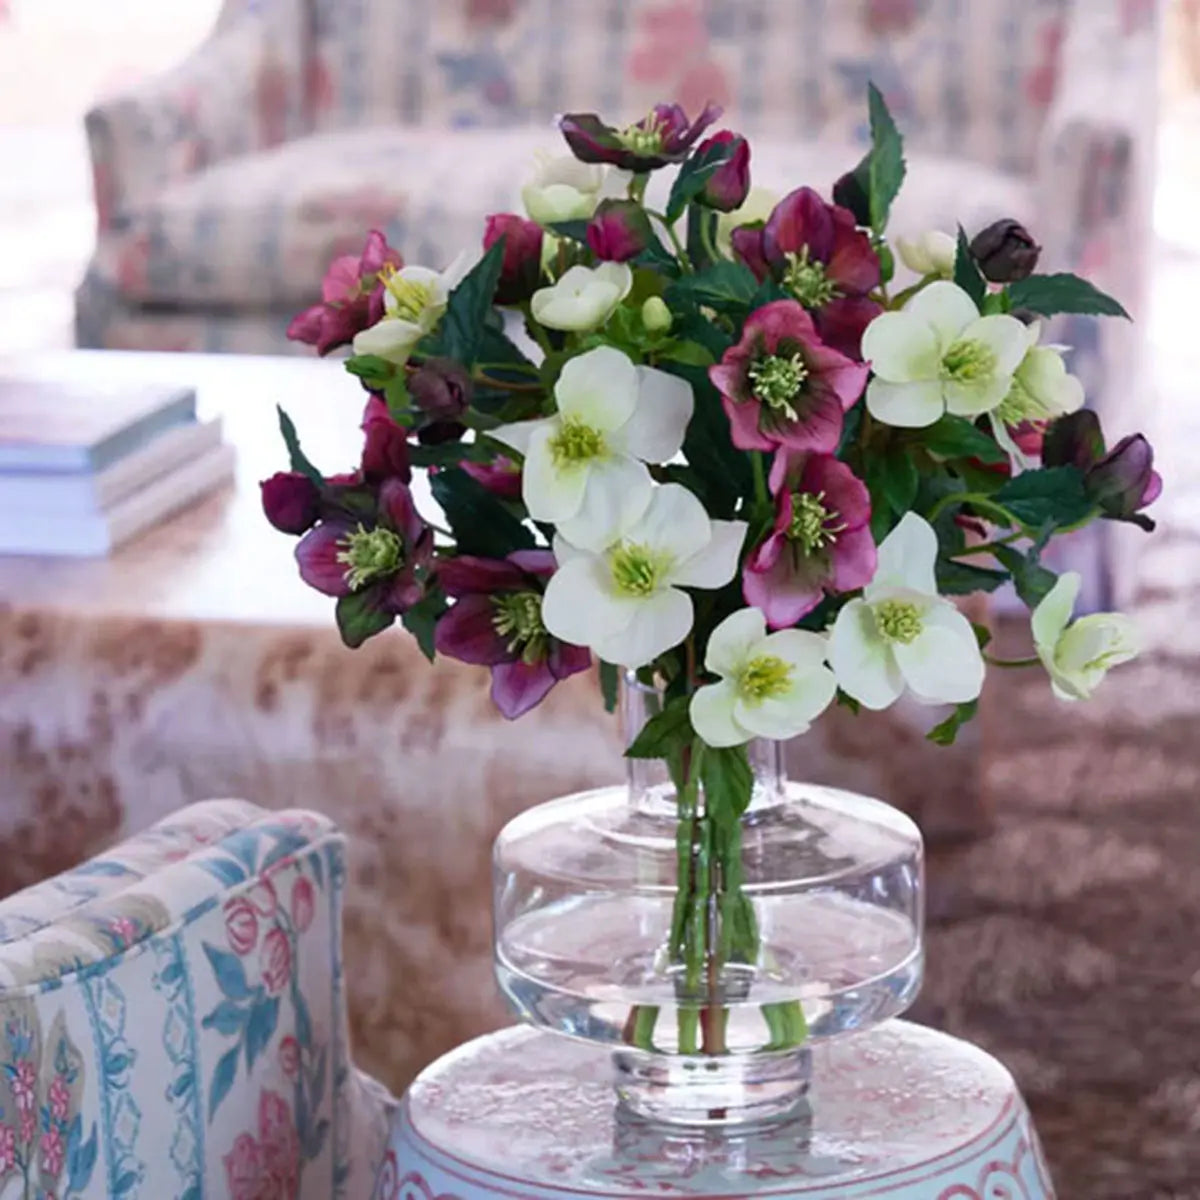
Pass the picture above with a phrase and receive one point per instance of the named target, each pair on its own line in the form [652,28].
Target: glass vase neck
[649,781]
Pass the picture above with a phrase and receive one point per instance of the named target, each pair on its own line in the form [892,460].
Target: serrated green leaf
[900,479]
[665,733]
[359,617]
[966,271]
[1049,494]
[480,522]
[688,352]
[964,579]
[296,456]
[1064,293]
[694,174]
[370,367]
[725,286]
[728,783]
[945,733]
[399,404]
[421,620]
[461,332]
[610,678]
[886,169]
[956,437]
[1032,581]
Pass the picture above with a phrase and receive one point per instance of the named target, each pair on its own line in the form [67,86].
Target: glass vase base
[700,1091]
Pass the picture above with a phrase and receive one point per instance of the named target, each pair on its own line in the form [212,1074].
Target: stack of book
[85,468]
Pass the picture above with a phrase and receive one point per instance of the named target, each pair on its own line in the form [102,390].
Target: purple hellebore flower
[821,541]
[662,136]
[816,251]
[351,297]
[496,622]
[521,268]
[619,230]
[729,185]
[501,476]
[369,562]
[385,447]
[782,386]
[291,501]
[1121,481]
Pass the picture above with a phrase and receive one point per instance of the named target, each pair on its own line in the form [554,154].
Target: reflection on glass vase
[709,954]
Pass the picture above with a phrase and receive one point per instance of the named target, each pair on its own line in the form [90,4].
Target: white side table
[900,1112]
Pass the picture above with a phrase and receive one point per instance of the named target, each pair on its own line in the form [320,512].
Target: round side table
[900,1112]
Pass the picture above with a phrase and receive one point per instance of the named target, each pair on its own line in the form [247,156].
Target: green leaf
[956,437]
[1065,293]
[983,635]
[360,618]
[1050,494]
[694,175]
[575,231]
[691,353]
[462,328]
[725,286]
[665,733]
[900,479]
[480,522]
[945,733]
[966,272]
[1032,581]
[370,367]
[962,579]
[886,170]
[848,701]
[448,454]
[610,678]
[728,783]
[399,406]
[421,619]
[296,456]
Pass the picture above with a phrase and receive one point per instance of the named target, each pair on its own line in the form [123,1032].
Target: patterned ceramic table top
[902,1112]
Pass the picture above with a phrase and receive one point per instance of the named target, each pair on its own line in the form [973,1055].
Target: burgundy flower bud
[290,501]
[385,451]
[728,186]
[521,270]
[852,192]
[1125,480]
[619,231]
[438,433]
[441,389]
[1005,251]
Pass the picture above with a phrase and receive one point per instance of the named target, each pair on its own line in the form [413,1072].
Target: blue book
[73,427]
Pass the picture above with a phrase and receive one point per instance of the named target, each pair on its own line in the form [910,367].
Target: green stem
[975,500]
[1013,663]
[761,495]
[706,239]
[535,330]
[527,368]
[901,298]
[988,547]
[639,1030]
[503,385]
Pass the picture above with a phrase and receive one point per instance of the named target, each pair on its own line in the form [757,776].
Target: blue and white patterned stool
[900,1112]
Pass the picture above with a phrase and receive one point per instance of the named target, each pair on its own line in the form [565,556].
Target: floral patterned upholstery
[222,186]
[173,1022]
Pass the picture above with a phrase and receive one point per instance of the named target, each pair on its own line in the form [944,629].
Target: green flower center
[637,570]
[898,621]
[807,280]
[764,678]
[411,298]
[967,360]
[643,137]
[518,617]
[370,554]
[810,525]
[575,443]
[776,381]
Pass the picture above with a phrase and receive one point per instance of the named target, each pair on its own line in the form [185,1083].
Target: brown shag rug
[1067,941]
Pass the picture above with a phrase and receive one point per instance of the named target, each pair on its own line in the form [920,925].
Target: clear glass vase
[808,926]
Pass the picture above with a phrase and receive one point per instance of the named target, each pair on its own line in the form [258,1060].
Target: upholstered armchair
[173,1020]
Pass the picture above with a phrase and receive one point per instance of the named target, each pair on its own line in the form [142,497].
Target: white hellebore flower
[1041,390]
[562,189]
[939,355]
[414,300]
[931,253]
[585,467]
[1079,655]
[772,685]
[583,297]
[901,633]
[625,602]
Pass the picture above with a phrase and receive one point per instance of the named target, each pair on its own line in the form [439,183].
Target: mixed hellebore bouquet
[717,445]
